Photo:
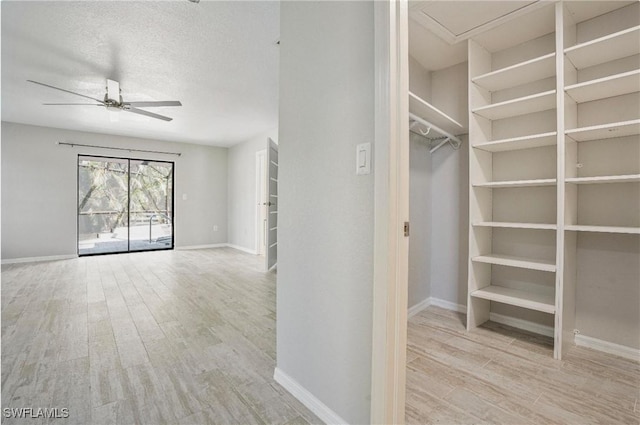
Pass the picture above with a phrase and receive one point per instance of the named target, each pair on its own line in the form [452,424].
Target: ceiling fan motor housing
[113,97]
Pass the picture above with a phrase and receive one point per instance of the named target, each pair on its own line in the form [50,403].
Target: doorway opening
[124,205]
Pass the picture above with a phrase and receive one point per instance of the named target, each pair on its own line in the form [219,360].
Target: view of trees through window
[124,205]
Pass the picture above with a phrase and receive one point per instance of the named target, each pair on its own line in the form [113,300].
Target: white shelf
[509,225]
[430,113]
[517,297]
[614,85]
[516,143]
[518,183]
[518,74]
[605,131]
[523,263]
[603,229]
[520,106]
[605,49]
[629,178]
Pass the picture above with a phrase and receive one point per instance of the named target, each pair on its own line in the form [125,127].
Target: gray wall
[39,188]
[420,218]
[438,194]
[241,208]
[449,223]
[608,289]
[325,245]
[419,79]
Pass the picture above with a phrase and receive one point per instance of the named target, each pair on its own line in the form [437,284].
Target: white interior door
[272,204]
[261,201]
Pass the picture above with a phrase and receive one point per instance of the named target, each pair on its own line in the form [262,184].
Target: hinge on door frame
[406,229]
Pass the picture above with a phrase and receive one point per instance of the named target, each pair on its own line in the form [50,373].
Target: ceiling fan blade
[153,104]
[66,91]
[148,114]
[83,104]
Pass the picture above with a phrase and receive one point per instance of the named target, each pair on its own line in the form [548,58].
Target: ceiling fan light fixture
[194,1]
[113,101]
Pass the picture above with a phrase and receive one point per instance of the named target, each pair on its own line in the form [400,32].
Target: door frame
[391,211]
[261,189]
[128,159]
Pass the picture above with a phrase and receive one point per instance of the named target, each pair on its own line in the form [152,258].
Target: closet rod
[454,141]
[118,149]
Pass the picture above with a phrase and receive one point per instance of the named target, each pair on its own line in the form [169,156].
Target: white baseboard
[320,409]
[241,248]
[188,247]
[413,310]
[448,305]
[69,257]
[460,308]
[608,347]
[524,325]
[38,259]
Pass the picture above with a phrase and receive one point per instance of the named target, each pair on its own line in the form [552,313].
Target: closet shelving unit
[433,122]
[520,106]
[533,186]
[505,91]
[601,69]
[601,72]
[605,131]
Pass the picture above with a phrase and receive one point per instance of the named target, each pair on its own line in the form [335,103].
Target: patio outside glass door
[124,205]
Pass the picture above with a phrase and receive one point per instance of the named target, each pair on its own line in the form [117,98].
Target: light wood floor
[188,337]
[184,337]
[499,375]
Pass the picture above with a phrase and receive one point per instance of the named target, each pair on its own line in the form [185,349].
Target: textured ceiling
[219,59]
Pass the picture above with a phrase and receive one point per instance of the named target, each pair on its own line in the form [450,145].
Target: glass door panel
[124,205]
[103,205]
[151,214]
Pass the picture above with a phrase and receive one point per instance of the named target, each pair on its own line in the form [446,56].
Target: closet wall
[420,206]
[449,218]
[438,180]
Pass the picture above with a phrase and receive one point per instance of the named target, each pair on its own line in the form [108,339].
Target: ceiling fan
[113,101]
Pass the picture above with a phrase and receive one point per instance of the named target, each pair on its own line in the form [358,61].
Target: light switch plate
[363,158]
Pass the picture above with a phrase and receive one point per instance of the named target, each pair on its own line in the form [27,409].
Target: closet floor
[500,375]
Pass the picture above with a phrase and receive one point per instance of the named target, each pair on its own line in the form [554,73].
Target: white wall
[241,208]
[420,219]
[39,188]
[325,241]
[449,223]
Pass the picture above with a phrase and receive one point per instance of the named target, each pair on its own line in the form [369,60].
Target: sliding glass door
[151,205]
[124,205]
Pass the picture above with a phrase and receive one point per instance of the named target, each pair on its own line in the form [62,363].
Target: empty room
[320,212]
